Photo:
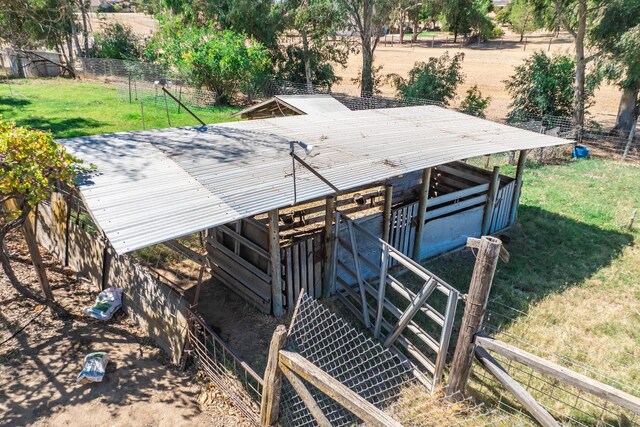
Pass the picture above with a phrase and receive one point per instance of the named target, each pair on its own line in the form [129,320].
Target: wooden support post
[491,201]
[356,262]
[517,190]
[386,215]
[30,236]
[539,413]
[329,215]
[67,227]
[276,267]
[272,389]
[422,211]
[475,308]
[306,397]
[106,265]
[337,391]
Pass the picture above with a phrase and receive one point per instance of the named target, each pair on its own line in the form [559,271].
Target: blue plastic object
[580,152]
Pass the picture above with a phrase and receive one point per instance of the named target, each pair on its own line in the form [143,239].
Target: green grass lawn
[71,108]
[574,275]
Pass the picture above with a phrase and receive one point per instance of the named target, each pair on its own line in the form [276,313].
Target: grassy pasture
[70,108]
[571,292]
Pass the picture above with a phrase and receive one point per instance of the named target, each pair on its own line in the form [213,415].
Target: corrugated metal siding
[313,104]
[154,186]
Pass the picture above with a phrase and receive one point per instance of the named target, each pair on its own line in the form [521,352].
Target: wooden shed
[269,212]
[292,105]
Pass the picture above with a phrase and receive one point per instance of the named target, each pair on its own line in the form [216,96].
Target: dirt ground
[39,366]
[487,65]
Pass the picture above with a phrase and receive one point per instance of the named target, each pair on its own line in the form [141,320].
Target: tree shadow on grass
[549,253]
[63,128]
[7,103]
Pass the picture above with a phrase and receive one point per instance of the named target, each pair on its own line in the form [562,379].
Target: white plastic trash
[107,303]
[93,367]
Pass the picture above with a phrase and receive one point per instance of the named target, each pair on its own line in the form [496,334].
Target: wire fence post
[632,134]
[475,308]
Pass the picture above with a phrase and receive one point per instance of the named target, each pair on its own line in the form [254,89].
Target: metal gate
[241,384]
[411,312]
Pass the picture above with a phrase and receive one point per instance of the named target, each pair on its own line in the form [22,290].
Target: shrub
[474,103]
[543,86]
[221,61]
[117,41]
[435,80]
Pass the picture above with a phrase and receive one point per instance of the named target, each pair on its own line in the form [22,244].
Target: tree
[423,14]
[52,24]
[31,163]
[465,16]
[435,80]
[574,16]
[368,18]
[522,18]
[543,86]
[221,61]
[117,41]
[317,22]
[617,34]
[474,103]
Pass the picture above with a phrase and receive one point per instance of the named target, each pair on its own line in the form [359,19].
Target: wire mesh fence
[569,405]
[142,83]
[373,372]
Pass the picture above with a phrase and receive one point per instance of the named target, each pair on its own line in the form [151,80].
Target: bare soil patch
[38,367]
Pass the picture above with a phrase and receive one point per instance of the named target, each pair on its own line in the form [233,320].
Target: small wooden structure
[292,105]
[396,172]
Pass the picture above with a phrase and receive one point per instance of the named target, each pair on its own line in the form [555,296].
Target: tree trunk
[521,36]
[416,32]
[306,55]
[366,81]
[85,27]
[401,22]
[628,109]
[579,89]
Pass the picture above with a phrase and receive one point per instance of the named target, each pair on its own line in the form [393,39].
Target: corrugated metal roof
[153,186]
[302,104]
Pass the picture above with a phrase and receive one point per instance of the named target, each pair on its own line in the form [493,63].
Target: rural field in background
[71,108]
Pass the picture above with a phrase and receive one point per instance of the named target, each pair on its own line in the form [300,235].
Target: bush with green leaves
[117,41]
[474,103]
[224,62]
[543,86]
[435,80]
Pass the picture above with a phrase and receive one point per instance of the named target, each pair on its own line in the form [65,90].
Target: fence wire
[567,404]
[375,373]
[142,82]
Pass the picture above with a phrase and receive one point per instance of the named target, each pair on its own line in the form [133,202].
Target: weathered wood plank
[272,389]
[386,215]
[231,266]
[276,263]
[244,241]
[523,396]
[515,201]
[422,210]
[574,379]
[304,284]
[317,266]
[445,210]
[327,246]
[295,257]
[336,390]
[490,204]
[289,277]
[221,249]
[305,396]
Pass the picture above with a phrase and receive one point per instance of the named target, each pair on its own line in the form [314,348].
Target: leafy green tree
[435,80]
[462,17]
[31,163]
[317,22]
[617,34]
[543,86]
[368,17]
[117,41]
[474,103]
[522,18]
[221,61]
